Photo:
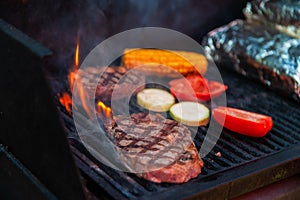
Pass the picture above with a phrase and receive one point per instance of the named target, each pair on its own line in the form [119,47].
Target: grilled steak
[155,148]
[186,167]
[112,78]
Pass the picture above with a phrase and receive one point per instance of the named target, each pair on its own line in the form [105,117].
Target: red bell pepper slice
[201,89]
[243,122]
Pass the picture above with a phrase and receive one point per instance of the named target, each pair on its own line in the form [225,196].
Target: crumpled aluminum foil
[283,15]
[258,52]
[284,12]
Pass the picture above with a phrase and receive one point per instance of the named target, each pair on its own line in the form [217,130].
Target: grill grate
[236,150]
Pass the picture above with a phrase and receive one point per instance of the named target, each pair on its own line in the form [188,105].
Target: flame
[66,101]
[103,109]
[76,58]
[65,98]
[84,97]
[73,76]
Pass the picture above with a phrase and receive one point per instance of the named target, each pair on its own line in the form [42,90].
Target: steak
[117,79]
[155,148]
[182,170]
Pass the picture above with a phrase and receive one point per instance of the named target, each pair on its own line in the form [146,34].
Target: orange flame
[73,76]
[84,97]
[74,70]
[103,109]
[66,100]
[76,59]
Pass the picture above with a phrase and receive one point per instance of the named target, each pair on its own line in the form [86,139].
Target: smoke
[62,25]
[57,24]
[192,17]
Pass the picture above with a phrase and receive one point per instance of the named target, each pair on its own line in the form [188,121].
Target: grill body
[245,164]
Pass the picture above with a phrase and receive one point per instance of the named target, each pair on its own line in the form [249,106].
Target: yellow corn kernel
[165,62]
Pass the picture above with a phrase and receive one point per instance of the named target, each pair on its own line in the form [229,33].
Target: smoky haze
[57,24]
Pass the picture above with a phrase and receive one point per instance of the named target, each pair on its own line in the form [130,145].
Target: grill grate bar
[100,172]
[283,136]
[270,144]
[285,126]
[239,154]
[222,161]
[120,180]
[147,185]
[247,144]
[276,140]
[280,105]
[249,141]
[209,164]
[280,119]
[204,171]
[232,158]
[225,156]
[286,123]
[289,132]
[217,160]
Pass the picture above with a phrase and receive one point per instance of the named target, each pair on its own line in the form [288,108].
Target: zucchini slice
[190,113]
[157,100]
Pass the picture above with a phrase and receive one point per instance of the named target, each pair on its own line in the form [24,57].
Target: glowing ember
[66,101]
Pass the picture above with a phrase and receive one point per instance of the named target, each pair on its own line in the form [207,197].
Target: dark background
[29,115]
[57,23]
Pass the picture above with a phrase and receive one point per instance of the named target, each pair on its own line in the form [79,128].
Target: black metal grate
[238,153]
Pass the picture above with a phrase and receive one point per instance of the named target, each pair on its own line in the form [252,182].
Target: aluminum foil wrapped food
[284,15]
[258,52]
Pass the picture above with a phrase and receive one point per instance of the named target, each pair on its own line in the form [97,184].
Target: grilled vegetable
[195,87]
[190,113]
[155,99]
[243,122]
[165,62]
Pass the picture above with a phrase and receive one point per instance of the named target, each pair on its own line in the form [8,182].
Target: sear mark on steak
[182,170]
[111,78]
[155,148]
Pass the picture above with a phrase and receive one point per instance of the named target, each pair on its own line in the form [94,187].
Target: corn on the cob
[165,62]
